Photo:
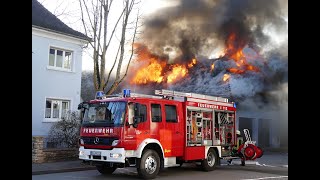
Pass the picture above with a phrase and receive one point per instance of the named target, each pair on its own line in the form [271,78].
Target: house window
[56,109]
[60,58]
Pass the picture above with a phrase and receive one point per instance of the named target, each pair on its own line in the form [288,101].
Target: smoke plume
[200,28]
[196,27]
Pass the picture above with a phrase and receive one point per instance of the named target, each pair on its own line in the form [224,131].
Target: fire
[154,69]
[236,54]
[226,77]
[151,73]
[177,70]
[193,62]
[235,70]
[212,67]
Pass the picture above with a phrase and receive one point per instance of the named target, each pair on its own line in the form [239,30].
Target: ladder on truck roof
[144,95]
[172,93]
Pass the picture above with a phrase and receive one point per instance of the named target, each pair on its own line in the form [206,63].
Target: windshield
[105,114]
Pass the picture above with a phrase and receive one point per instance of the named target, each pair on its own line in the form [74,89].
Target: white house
[56,68]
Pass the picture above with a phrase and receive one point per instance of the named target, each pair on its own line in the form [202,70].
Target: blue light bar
[126,93]
[234,105]
[99,95]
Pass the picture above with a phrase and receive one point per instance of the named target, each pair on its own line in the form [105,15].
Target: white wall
[278,124]
[52,83]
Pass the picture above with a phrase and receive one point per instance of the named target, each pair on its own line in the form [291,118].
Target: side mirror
[136,118]
[83,105]
[80,106]
[135,125]
[136,109]
[136,121]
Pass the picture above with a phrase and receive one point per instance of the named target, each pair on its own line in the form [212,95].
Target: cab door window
[141,113]
[156,112]
[171,113]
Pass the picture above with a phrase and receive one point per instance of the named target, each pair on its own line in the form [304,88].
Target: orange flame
[236,71]
[225,77]
[151,73]
[212,67]
[156,70]
[193,62]
[236,54]
[177,71]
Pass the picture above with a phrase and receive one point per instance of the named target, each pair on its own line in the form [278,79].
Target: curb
[63,170]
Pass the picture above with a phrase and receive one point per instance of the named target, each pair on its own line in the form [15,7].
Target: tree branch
[114,63]
[132,45]
[114,29]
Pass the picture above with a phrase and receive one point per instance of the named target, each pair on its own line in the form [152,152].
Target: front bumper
[116,155]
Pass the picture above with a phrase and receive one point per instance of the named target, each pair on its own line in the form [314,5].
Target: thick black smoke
[197,28]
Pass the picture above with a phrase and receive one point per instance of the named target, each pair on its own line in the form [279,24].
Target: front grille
[107,141]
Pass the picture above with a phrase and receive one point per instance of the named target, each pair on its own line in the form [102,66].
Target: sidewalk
[276,159]
[270,159]
[58,167]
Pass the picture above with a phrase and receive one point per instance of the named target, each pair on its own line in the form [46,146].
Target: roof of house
[44,19]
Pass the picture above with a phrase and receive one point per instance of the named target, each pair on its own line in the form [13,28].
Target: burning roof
[178,41]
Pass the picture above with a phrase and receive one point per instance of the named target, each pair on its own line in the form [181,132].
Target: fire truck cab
[151,132]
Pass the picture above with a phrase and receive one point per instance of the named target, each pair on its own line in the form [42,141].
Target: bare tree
[96,22]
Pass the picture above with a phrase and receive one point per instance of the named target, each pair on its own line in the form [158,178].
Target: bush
[66,132]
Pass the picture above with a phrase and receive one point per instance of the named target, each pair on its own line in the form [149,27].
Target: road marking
[258,164]
[274,177]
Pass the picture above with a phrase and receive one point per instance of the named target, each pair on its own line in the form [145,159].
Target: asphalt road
[186,172]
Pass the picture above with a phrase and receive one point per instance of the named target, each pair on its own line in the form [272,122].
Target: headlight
[81,153]
[115,155]
[115,142]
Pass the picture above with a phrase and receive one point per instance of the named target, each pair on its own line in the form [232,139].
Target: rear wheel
[210,163]
[149,164]
[105,169]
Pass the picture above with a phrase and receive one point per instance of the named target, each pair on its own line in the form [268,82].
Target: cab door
[173,124]
[133,136]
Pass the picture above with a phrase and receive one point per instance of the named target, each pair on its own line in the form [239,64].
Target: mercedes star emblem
[96,140]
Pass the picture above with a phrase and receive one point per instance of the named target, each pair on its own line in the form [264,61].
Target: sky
[68,11]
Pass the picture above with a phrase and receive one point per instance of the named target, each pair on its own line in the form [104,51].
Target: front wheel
[149,164]
[105,169]
[210,163]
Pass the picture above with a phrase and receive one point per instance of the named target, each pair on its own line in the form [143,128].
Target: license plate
[95,153]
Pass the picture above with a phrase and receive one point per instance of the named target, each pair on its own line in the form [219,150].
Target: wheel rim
[150,165]
[211,159]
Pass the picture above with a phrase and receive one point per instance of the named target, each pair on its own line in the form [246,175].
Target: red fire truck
[151,132]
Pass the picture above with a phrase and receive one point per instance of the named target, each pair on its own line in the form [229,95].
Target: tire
[149,164]
[105,169]
[211,162]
